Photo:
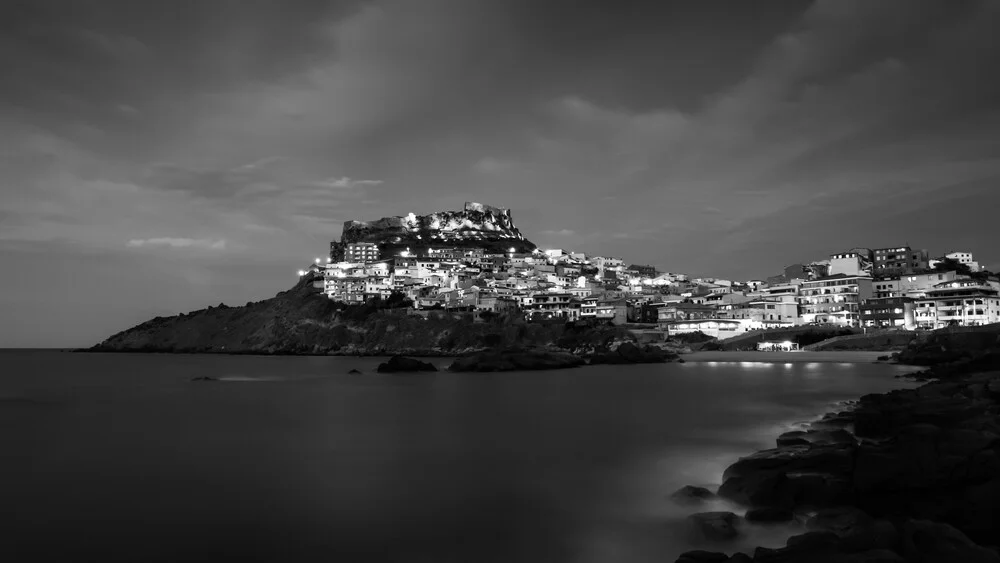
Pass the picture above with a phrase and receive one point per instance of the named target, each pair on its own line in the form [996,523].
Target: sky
[157,158]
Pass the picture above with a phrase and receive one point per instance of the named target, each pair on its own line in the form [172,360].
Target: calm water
[123,458]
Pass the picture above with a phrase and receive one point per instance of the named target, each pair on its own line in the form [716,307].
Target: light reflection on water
[310,463]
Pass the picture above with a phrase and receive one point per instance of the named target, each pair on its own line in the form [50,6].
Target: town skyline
[155,171]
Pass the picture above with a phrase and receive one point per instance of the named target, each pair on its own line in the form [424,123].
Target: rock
[514,360]
[855,528]
[714,526]
[689,495]
[792,476]
[629,353]
[204,378]
[681,361]
[699,556]
[402,364]
[883,358]
[924,541]
[739,557]
[818,437]
[768,515]
[355,372]
[811,547]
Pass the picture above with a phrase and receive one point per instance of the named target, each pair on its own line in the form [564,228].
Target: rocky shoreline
[910,476]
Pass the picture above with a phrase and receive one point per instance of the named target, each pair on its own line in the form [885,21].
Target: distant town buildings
[880,288]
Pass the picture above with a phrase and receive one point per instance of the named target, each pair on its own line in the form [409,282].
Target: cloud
[346,183]
[201,243]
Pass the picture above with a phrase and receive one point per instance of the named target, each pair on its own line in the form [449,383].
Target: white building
[964,258]
[960,302]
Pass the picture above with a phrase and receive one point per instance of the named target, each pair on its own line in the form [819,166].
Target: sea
[123,457]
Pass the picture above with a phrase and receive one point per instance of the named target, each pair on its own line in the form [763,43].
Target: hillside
[303,321]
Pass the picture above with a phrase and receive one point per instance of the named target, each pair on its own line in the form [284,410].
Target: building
[551,305]
[848,263]
[644,271]
[716,328]
[361,252]
[764,313]
[964,258]
[834,299]
[885,287]
[887,312]
[898,261]
[962,302]
[917,285]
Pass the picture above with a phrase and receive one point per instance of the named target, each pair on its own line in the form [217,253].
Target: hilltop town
[476,261]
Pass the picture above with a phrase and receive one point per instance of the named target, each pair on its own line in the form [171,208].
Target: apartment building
[361,252]
[898,261]
[834,299]
[961,302]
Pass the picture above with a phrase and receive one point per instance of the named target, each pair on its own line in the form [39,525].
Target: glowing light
[302,273]
[317,260]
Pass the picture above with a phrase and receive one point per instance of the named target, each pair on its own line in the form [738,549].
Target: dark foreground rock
[628,353]
[690,495]
[713,526]
[921,485]
[516,360]
[204,378]
[699,556]
[768,515]
[402,364]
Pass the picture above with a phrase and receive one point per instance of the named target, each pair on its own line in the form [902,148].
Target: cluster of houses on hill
[878,288]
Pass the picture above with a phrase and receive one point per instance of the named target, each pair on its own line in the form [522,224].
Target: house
[772,312]
[834,299]
[553,305]
[612,310]
[673,312]
[961,302]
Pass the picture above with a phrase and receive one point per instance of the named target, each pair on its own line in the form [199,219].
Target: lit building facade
[958,303]
[898,261]
[834,299]
[361,252]
[888,312]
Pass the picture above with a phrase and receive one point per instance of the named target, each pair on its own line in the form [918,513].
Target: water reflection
[562,466]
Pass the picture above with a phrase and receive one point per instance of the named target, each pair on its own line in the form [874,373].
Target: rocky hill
[476,225]
[303,321]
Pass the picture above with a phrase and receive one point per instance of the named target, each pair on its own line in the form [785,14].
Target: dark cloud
[652,130]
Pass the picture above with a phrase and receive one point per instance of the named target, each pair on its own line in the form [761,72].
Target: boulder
[739,557]
[924,541]
[629,353]
[515,360]
[699,556]
[204,378]
[856,529]
[802,475]
[714,526]
[355,372]
[689,495]
[402,364]
[768,515]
